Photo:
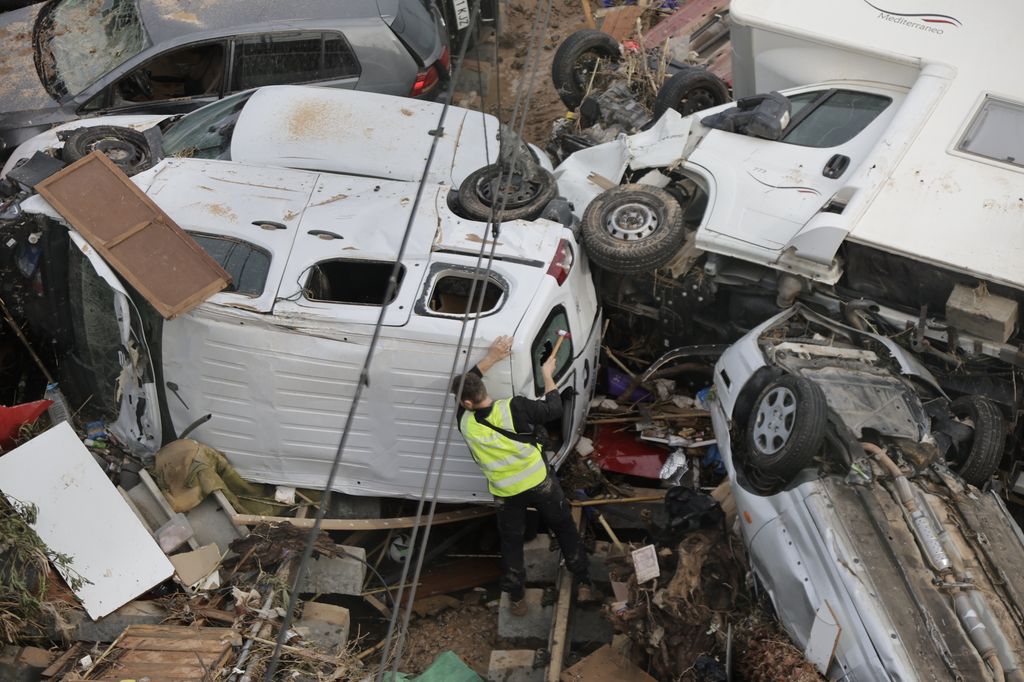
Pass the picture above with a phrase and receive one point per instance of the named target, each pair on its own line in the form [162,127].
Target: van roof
[932,202]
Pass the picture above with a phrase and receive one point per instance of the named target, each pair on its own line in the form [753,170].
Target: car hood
[20,88]
[361,133]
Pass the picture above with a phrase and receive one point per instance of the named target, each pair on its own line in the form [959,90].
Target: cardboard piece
[605,665]
[81,514]
[192,567]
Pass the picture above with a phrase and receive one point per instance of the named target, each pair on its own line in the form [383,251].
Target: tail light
[562,263]
[428,79]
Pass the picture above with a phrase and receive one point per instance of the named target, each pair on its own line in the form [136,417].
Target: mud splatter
[221,211]
[331,200]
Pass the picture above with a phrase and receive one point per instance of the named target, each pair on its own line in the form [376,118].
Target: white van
[893,194]
[306,208]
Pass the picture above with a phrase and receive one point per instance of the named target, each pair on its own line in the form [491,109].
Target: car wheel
[786,428]
[521,195]
[127,148]
[575,61]
[988,441]
[690,90]
[633,228]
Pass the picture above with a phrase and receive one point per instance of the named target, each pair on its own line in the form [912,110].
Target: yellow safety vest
[510,466]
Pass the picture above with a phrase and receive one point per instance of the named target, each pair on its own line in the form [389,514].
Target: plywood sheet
[134,235]
[165,653]
[81,514]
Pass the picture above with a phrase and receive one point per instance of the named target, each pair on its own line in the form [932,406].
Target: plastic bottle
[58,411]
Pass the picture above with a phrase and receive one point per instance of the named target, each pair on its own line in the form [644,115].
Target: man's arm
[527,414]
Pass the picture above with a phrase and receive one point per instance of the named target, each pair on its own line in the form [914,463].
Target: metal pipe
[1007,659]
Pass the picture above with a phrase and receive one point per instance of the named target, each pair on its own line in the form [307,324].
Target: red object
[13,418]
[428,79]
[562,263]
[622,452]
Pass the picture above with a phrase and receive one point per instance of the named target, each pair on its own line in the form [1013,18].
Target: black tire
[575,60]
[633,228]
[988,442]
[786,428]
[524,200]
[690,90]
[127,148]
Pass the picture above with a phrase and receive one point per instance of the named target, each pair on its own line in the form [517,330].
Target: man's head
[473,390]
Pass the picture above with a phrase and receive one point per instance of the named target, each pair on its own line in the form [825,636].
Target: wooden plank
[720,63]
[560,624]
[164,644]
[620,22]
[170,669]
[134,656]
[134,235]
[588,14]
[179,631]
[684,21]
[361,524]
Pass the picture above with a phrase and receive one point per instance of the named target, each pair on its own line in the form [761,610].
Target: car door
[176,80]
[768,189]
[292,57]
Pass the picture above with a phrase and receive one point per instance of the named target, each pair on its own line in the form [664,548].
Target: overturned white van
[308,220]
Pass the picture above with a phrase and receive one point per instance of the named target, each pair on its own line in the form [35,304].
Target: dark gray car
[71,58]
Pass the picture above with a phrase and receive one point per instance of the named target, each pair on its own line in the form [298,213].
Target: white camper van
[892,191]
[303,198]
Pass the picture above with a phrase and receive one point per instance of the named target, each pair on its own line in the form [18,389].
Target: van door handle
[269,225]
[324,234]
[836,166]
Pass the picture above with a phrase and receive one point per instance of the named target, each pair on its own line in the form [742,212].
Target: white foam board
[81,514]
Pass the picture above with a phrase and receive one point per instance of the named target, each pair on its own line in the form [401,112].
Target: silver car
[850,471]
[73,58]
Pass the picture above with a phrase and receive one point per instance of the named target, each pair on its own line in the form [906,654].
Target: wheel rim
[120,152]
[518,190]
[632,222]
[696,100]
[774,422]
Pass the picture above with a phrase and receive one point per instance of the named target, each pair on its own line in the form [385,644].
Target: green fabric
[509,466]
[448,667]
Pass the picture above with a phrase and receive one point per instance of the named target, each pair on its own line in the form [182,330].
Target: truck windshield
[206,133]
[78,41]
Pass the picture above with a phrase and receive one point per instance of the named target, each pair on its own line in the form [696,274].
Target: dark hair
[473,389]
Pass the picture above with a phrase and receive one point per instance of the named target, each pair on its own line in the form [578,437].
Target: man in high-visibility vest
[501,436]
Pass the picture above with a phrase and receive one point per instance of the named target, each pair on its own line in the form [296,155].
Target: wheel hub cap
[631,222]
[774,422]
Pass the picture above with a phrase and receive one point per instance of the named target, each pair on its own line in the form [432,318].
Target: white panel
[81,514]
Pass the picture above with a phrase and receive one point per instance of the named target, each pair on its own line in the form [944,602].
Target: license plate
[461,13]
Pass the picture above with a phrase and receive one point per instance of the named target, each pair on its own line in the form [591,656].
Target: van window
[544,343]
[997,132]
[451,290]
[825,119]
[276,59]
[247,263]
[358,282]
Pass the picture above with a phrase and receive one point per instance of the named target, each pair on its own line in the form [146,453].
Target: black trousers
[547,498]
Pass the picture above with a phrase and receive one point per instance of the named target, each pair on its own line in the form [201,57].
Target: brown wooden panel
[154,670]
[134,235]
[179,631]
[164,644]
[136,656]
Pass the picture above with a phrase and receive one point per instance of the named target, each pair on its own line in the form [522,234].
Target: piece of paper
[193,566]
[645,563]
[81,514]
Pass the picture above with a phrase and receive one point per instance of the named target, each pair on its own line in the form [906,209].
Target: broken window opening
[450,295]
[247,263]
[545,342]
[357,282]
[206,133]
[996,132]
[291,58]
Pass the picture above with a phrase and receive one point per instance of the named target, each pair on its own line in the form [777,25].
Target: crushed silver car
[848,467]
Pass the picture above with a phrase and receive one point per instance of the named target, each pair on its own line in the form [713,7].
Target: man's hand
[499,350]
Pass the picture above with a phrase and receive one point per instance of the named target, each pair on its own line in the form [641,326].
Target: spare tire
[633,228]
[786,428]
[521,195]
[127,148]
[981,460]
[575,60]
[690,90]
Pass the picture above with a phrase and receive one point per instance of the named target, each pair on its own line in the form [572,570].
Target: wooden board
[165,653]
[134,235]
[620,22]
[684,21]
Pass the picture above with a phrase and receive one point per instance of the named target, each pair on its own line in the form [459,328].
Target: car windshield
[206,133]
[79,41]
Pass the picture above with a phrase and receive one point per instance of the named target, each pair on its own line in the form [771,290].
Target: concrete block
[514,666]
[541,563]
[336,575]
[325,625]
[587,626]
[977,312]
[533,626]
[110,627]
